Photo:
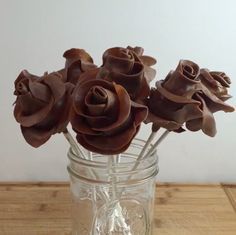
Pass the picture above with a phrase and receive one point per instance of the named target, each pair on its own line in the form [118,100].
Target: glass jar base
[124,217]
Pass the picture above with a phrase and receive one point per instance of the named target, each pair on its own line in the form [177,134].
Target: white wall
[34,34]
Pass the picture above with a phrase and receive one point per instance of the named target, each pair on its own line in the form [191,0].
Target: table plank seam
[229,196]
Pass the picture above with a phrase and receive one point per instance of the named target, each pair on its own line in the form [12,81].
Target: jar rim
[98,164]
[93,170]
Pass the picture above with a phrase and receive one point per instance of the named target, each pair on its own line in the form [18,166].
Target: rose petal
[76,69]
[175,98]
[63,74]
[216,82]
[214,103]
[149,73]
[34,136]
[25,75]
[105,105]
[75,54]
[28,104]
[140,112]
[161,122]
[33,118]
[133,82]
[118,60]
[63,109]
[208,121]
[148,60]
[56,86]
[124,109]
[108,144]
[80,139]
[39,91]
[138,50]
[194,125]
[80,125]
[83,88]
[221,77]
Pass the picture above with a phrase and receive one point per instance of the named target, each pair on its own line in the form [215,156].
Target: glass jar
[113,194]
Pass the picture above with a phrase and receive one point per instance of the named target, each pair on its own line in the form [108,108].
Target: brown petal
[149,73]
[171,113]
[83,88]
[216,82]
[134,82]
[108,144]
[100,101]
[194,125]
[98,122]
[208,121]
[28,104]
[148,60]
[140,112]
[34,136]
[25,75]
[62,109]
[184,80]
[76,69]
[173,97]
[32,118]
[96,100]
[62,75]
[56,86]
[138,50]
[161,122]
[80,125]
[186,113]
[82,141]
[214,103]
[118,59]
[221,77]
[124,110]
[75,54]
[39,91]
[95,109]
[21,88]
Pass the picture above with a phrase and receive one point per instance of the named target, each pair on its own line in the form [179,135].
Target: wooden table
[44,208]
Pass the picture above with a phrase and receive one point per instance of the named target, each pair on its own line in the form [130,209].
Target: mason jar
[113,194]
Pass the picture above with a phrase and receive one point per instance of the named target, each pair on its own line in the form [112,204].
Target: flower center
[21,88]
[189,71]
[98,95]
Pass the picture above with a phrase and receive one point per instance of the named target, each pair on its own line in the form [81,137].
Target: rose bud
[77,62]
[184,80]
[42,105]
[103,116]
[171,104]
[129,68]
[212,96]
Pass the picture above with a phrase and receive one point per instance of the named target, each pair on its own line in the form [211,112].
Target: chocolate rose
[186,97]
[103,116]
[129,68]
[171,103]
[77,62]
[42,105]
[212,96]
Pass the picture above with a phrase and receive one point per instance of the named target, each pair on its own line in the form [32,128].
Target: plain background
[34,35]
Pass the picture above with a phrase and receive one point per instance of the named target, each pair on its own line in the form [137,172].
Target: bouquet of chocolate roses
[106,106]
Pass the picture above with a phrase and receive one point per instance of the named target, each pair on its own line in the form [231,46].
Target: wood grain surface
[44,208]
